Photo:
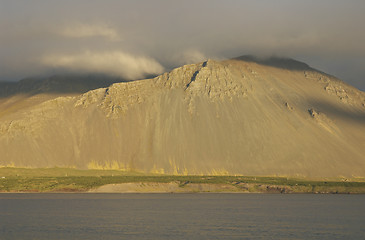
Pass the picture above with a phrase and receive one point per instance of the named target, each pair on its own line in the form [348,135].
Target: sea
[181,216]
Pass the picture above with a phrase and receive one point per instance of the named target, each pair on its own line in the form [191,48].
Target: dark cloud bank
[134,38]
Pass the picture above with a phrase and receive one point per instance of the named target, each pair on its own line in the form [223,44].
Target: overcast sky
[134,38]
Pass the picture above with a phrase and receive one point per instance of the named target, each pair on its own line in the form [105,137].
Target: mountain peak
[279,62]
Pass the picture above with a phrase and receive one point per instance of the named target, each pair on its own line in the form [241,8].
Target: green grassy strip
[63,179]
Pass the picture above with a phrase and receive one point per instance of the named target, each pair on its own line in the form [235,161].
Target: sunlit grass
[74,180]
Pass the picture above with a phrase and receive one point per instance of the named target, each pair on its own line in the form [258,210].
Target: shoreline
[174,188]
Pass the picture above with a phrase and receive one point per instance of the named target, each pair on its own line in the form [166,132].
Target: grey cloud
[115,63]
[327,34]
[79,30]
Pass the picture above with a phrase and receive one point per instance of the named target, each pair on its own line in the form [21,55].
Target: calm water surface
[181,216]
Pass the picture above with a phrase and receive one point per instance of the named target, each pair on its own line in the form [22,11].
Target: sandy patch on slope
[172,187]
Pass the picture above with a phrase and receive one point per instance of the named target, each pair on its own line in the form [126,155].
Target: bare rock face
[240,116]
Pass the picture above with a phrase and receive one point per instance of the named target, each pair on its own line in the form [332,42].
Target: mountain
[245,116]
[15,96]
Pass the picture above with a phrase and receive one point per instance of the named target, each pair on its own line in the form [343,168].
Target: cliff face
[240,116]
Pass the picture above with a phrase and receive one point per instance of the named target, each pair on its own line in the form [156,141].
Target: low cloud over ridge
[115,63]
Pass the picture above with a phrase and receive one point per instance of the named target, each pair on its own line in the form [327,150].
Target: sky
[134,38]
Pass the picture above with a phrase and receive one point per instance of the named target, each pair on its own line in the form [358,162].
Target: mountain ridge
[235,116]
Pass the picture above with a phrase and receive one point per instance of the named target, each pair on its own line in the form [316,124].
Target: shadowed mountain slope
[15,96]
[239,116]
